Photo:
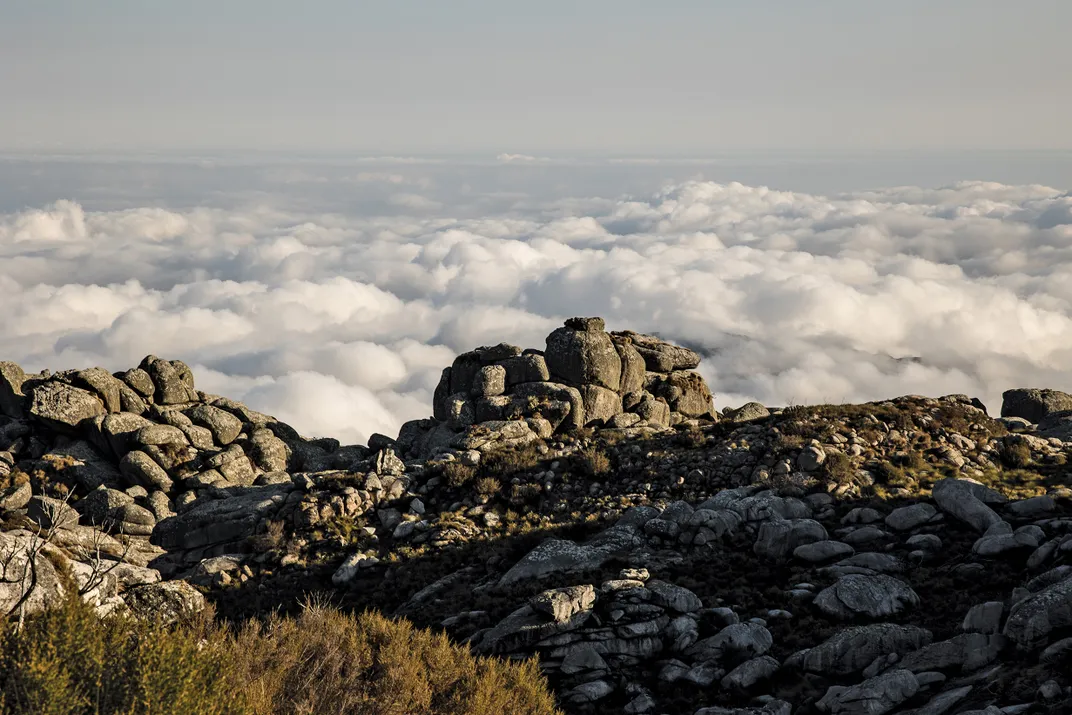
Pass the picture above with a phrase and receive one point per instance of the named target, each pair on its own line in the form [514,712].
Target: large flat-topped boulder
[582,353]
[586,377]
[1034,405]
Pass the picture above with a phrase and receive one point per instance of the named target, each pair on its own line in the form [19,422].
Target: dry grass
[324,661]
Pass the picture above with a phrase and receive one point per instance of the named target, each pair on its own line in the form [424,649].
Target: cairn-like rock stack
[503,395]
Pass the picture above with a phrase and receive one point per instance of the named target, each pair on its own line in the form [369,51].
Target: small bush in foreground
[324,661]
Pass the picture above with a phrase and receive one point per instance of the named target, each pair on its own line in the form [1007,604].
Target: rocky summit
[585,504]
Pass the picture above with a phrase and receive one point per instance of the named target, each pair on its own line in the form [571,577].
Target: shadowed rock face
[584,377]
[1034,405]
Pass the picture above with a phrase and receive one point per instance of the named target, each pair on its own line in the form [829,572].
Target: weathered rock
[103,384]
[584,355]
[910,517]
[14,497]
[1034,405]
[172,381]
[778,539]
[874,596]
[750,673]
[120,431]
[600,404]
[50,513]
[685,391]
[968,502]
[966,652]
[165,602]
[739,641]
[489,381]
[139,468]
[675,598]
[984,618]
[1032,620]
[64,407]
[221,521]
[659,355]
[851,650]
[875,696]
[12,401]
[562,604]
[225,427]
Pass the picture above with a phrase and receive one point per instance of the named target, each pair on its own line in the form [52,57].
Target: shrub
[838,468]
[458,474]
[324,661]
[1015,454]
[592,461]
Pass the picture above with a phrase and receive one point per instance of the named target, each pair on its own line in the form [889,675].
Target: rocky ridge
[587,504]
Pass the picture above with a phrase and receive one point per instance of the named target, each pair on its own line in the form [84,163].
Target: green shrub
[324,661]
[838,468]
[1015,454]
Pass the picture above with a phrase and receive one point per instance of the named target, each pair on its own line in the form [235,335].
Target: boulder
[1034,405]
[165,602]
[875,696]
[870,595]
[968,501]
[12,400]
[1033,619]
[103,384]
[851,650]
[225,427]
[581,353]
[659,355]
[64,407]
[172,381]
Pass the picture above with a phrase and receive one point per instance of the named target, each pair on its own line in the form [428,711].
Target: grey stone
[525,368]
[675,598]
[165,602]
[751,673]
[225,427]
[659,355]
[778,539]
[139,468]
[583,357]
[64,407]
[968,502]
[966,652]
[875,696]
[1032,619]
[874,596]
[12,400]
[104,385]
[738,641]
[851,650]
[822,551]
[48,512]
[633,367]
[489,381]
[172,381]
[984,618]
[911,517]
[1032,404]
[600,404]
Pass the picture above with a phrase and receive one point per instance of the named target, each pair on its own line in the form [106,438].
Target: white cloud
[341,322]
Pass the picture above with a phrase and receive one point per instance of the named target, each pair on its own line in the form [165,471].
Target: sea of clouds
[333,299]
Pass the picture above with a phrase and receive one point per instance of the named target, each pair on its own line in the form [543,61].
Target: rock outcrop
[503,396]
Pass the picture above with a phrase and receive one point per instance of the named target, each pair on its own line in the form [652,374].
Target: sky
[317,205]
[556,77]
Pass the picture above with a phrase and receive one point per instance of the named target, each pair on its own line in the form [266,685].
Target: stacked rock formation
[586,376]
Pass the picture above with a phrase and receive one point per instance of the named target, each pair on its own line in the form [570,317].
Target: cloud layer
[340,322]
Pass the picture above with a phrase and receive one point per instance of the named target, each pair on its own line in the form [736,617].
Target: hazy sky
[547,76]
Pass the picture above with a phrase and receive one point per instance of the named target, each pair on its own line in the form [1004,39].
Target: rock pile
[505,396]
[909,556]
